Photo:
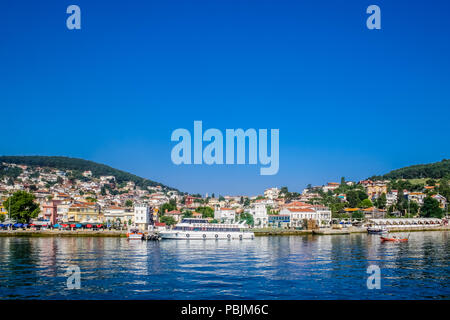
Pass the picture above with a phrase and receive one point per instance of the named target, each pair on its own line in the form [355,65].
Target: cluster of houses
[101,200]
[90,201]
[374,190]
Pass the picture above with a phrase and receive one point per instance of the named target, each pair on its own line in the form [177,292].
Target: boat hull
[377,230]
[393,240]
[135,236]
[205,235]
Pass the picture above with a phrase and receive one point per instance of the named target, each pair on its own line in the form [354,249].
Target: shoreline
[258,232]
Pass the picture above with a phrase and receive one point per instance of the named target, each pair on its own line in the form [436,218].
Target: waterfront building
[299,211]
[142,215]
[87,212]
[115,214]
[49,211]
[279,221]
[225,215]
[323,215]
[259,213]
[298,215]
[62,210]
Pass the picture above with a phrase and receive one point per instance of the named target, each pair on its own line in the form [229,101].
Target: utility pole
[9,211]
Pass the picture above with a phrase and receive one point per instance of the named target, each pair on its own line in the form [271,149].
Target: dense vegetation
[23,206]
[76,165]
[435,170]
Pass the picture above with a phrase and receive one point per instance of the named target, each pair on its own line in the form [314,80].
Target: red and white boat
[134,234]
[394,239]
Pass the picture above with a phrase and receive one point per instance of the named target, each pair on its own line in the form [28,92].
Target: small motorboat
[134,234]
[394,239]
[377,230]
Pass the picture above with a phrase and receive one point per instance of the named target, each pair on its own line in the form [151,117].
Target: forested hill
[435,170]
[66,163]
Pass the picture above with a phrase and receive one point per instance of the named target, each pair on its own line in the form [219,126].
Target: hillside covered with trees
[78,166]
[436,170]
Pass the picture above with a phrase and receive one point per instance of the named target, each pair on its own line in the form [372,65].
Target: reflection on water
[300,267]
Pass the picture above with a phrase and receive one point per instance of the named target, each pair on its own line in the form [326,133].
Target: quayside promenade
[63,233]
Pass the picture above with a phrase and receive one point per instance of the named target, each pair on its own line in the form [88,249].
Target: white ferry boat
[201,229]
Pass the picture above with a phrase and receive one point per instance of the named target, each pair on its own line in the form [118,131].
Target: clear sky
[348,101]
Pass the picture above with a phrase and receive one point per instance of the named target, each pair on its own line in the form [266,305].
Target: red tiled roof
[173,212]
[300,210]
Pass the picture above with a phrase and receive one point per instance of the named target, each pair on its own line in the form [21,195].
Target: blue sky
[348,101]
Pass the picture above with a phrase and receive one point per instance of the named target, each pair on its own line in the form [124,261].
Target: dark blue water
[297,267]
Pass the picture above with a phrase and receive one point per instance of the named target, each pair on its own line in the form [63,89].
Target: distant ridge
[436,170]
[66,163]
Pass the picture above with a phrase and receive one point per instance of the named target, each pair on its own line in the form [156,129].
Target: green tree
[23,207]
[2,217]
[248,218]
[444,188]
[169,206]
[168,220]
[128,203]
[366,203]
[221,198]
[358,214]
[187,214]
[207,212]
[284,190]
[380,202]
[354,197]
[413,208]
[430,208]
